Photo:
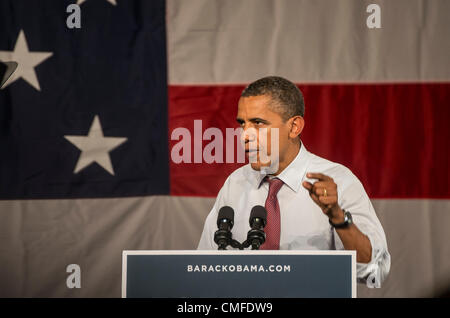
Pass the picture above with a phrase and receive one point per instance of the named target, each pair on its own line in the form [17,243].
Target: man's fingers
[329,185]
[323,192]
[321,184]
[328,200]
[315,199]
[320,191]
[325,203]
[308,186]
[319,176]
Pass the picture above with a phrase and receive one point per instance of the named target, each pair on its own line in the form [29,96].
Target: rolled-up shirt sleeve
[353,198]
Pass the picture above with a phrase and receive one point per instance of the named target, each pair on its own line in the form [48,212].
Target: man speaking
[312,203]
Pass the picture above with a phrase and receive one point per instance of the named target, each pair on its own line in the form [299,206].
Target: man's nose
[248,134]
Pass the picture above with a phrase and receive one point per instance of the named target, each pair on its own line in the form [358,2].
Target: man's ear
[297,125]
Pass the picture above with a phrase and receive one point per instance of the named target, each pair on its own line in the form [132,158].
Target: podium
[238,274]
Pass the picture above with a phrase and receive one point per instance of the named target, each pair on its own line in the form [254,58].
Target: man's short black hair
[287,99]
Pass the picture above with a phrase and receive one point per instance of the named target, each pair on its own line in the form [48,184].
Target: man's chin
[256,166]
[266,168]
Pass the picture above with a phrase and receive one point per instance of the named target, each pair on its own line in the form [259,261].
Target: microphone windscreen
[258,211]
[225,212]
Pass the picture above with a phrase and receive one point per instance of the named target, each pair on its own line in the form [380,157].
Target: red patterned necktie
[273,226]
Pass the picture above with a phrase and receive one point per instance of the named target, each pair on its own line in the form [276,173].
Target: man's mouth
[250,153]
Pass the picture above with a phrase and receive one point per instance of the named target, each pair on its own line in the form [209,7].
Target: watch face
[347,221]
[348,218]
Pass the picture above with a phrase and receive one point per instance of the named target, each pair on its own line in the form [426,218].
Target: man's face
[254,113]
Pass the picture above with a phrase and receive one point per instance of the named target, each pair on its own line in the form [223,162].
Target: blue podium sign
[238,274]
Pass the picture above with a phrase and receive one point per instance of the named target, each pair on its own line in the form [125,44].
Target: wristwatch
[347,221]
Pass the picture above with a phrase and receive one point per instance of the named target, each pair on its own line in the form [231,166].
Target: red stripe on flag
[394,137]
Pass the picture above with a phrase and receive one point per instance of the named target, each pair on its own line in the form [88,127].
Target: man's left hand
[324,194]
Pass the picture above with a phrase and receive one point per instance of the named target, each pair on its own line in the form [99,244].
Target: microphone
[6,70]
[225,222]
[258,220]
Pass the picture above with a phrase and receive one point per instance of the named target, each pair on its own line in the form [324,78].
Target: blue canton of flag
[85,114]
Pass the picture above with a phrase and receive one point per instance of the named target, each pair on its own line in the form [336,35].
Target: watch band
[347,221]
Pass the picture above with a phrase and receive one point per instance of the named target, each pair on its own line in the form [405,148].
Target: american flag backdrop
[86,124]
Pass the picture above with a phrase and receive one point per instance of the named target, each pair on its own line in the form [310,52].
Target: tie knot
[275,185]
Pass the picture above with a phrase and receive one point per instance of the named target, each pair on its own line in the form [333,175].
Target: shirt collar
[292,175]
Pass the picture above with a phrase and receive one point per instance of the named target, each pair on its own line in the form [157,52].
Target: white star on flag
[113,2]
[95,147]
[27,61]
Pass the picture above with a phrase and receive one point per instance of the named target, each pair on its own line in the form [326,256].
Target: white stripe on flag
[220,42]
[41,237]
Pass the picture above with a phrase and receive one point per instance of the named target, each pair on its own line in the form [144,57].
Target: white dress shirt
[303,224]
